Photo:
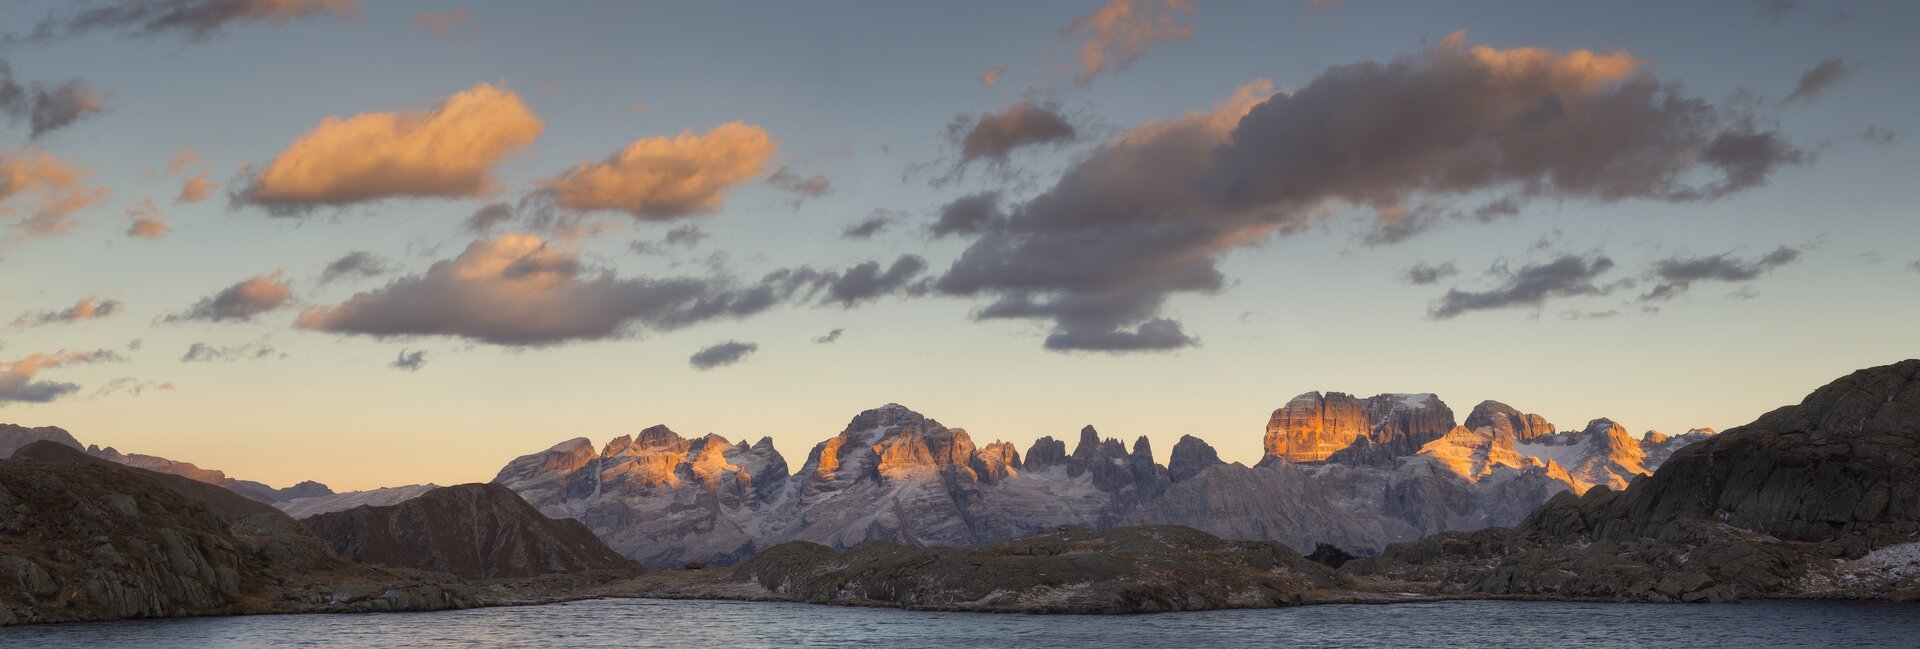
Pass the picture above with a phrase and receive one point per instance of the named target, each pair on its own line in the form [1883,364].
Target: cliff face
[13,437]
[474,531]
[1314,427]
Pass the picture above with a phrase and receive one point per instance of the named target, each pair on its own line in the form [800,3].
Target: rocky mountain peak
[1046,452]
[1502,417]
[1190,456]
[13,436]
[1314,427]
[1883,399]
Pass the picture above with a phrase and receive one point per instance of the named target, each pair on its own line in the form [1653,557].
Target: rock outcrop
[1314,427]
[1794,504]
[1071,570]
[474,531]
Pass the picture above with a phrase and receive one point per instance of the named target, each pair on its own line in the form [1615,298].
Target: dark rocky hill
[475,531]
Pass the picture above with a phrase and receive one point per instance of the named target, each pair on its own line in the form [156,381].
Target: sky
[391,243]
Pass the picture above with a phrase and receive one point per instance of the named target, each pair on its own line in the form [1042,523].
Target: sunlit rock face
[1338,427]
[1505,419]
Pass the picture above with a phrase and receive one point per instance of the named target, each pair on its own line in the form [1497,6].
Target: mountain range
[1359,473]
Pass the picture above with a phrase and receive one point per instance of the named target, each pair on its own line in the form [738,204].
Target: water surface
[665,623]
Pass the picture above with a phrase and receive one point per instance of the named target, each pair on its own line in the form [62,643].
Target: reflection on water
[662,623]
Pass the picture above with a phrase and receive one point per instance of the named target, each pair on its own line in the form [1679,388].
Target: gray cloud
[1531,286]
[1915,266]
[47,108]
[131,387]
[681,236]
[970,214]
[518,291]
[1423,274]
[198,20]
[726,353]
[88,308]
[994,136]
[865,282]
[358,263]
[869,227]
[240,302]
[1875,134]
[1148,214]
[410,360]
[205,353]
[17,384]
[488,217]
[784,179]
[1677,274]
[1819,78]
[829,337]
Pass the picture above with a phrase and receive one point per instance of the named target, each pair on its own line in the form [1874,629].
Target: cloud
[1875,134]
[1423,274]
[1118,33]
[488,217]
[147,223]
[131,387]
[40,194]
[661,178]
[872,225]
[970,214]
[47,108]
[994,136]
[358,263]
[1677,274]
[198,20]
[516,290]
[240,302]
[726,353]
[785,180]
[205,353]
[410,360]
[441,23]
[1531,286]
[448,151]
[1819,78]
[829,337]
[16,377]
[865,282]
[991,77]
[1149,213]
[1774,9]
[684,236]
[195,189]
[88,308]
[1915,266]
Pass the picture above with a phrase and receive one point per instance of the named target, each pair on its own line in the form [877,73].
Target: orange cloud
[16,377]
[195,189]
[991,78]
[668,177]
[1571,73]
[147,222]
[1117,34]
[447,151]
[40,194]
